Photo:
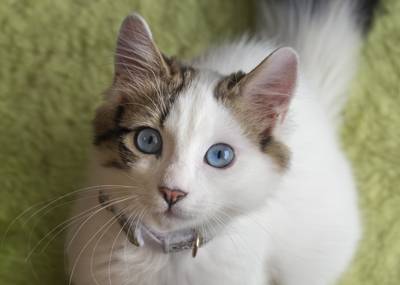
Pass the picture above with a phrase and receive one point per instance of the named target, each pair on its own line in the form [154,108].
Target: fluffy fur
[297,226]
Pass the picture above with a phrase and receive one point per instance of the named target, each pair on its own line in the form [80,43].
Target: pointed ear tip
[289,52]
[135,18]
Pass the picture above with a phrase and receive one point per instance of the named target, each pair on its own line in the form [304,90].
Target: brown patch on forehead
[135,104]
[149,102]
[227,92]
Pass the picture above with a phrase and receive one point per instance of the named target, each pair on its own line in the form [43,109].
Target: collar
[140,235]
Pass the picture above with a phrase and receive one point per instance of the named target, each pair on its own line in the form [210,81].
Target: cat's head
[193,146]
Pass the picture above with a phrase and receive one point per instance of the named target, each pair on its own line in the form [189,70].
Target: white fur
[328,42]
[298,227]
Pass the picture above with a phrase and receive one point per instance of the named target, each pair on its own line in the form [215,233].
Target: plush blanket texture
[56,59]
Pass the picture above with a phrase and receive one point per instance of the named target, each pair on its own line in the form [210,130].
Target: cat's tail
[326,34]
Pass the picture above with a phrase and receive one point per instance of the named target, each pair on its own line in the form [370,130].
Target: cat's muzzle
[140,235]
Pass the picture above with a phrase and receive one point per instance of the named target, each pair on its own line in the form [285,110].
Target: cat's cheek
[142,165]
[256,180]
[145,166]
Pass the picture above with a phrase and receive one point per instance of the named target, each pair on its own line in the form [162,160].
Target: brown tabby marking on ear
[227,92]
[228,86]
[136,104]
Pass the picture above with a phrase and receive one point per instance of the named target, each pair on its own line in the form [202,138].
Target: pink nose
[172,196]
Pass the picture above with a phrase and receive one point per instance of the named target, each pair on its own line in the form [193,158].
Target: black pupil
[151,139]
[220,154]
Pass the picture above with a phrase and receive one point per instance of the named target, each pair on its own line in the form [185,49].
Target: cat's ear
[137,57]
[268,88]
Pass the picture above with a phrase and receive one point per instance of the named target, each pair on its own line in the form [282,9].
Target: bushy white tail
[327,35]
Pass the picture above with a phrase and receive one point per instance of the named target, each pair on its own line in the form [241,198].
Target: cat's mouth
[169,215]
[140,234]
[172,215]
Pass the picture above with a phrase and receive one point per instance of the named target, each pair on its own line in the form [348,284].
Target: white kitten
[234,155]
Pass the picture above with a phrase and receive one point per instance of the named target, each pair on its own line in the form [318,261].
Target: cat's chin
[169,221]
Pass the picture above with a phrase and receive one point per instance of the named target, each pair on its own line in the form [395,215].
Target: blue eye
[148,141]
[219,155]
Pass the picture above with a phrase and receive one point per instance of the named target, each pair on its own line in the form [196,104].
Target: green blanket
[56,59]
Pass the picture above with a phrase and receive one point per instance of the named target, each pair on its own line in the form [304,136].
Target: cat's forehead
[148,101]
[185,106]
[196,112]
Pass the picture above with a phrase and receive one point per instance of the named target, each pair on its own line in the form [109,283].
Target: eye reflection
[219,155]
[148,140]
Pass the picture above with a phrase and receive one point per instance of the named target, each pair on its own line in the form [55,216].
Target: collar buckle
[196,244]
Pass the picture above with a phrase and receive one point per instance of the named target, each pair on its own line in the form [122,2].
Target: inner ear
[137,56]
[267,90]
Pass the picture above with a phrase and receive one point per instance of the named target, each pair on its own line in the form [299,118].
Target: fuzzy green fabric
[56,59]
[372,138]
